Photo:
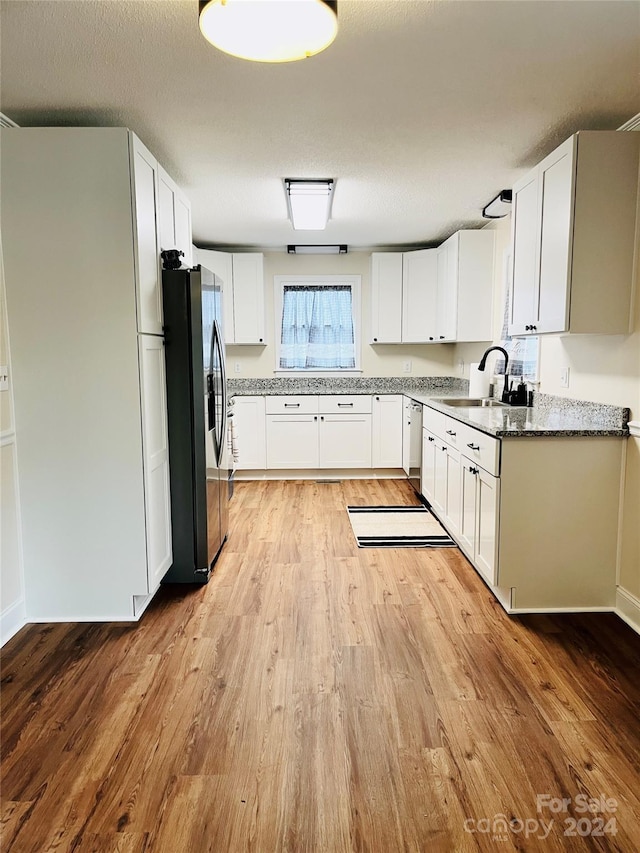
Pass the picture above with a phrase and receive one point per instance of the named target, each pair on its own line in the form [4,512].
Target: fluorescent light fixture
[309,202]
[499,206]
[269,30]
[297,249]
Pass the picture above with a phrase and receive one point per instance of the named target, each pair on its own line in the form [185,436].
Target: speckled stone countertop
[550,415]
[279,385]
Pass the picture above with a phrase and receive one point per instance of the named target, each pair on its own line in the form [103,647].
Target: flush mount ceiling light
[309,202]
[499,206]
[269,30]
[297,249]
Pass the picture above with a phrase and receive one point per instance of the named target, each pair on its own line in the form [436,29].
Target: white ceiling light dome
[269,30]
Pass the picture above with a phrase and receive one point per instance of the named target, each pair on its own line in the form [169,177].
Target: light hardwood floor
[318,697]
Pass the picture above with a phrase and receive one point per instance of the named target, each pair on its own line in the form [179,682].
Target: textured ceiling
[422,110]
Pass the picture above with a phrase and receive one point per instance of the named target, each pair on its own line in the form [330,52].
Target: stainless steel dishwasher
[414,415]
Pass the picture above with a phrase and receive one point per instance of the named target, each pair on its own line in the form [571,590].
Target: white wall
[379,360]
[12,597]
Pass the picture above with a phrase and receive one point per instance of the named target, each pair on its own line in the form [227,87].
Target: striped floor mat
[397,527]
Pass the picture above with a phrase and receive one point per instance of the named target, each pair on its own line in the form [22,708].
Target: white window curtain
[317,327]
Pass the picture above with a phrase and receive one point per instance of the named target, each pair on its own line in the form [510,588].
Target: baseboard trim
[628,608]
[249,474]
[12,620]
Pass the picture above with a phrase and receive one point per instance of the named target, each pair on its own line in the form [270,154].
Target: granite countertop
[549,416]
[557,416]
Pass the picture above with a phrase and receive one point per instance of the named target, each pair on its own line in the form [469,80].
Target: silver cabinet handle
[474,446]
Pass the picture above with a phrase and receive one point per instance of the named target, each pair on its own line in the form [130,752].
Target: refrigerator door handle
[220,433]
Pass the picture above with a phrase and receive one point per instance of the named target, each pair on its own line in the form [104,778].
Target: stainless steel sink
[470,402]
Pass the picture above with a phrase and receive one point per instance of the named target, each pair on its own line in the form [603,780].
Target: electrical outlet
[564,377]
[236,367]
[461,367]
[406,366]
[4,377]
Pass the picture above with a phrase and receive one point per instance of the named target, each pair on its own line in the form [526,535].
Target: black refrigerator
[197,414]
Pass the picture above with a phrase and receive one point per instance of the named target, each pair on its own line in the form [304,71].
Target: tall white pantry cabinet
[81,221]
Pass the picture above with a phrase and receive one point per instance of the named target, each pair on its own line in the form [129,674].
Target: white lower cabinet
[479,514]
[250,433]
[311,431]
[292,441]
[387,446]
[155,448]
[344,441]
[537,517]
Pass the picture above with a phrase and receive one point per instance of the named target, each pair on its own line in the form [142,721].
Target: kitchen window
[317,323]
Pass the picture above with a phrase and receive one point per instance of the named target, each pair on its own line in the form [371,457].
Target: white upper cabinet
[148,289]
[386,297]
[221,264]
[248,298]
[574,237]
[465,286]
[174,217]
[434,295]
[419,287]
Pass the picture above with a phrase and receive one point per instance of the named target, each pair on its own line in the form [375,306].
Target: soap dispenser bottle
[521,393]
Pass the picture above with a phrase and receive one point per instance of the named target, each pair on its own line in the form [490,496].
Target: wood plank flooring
[319,697]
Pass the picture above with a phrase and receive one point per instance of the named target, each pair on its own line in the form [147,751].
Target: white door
[387,431]
[155,448]
[249,428]
[292,441]
[221,263]
[386,297]
[453,509]
[556,174]
[345,441]
[468,503]
[487,513]
[525,261]
[406,434]
[419,288]
[248,298]
[145,188]
[428,469]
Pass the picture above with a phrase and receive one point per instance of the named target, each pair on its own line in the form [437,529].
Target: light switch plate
[564,377]
[406,366]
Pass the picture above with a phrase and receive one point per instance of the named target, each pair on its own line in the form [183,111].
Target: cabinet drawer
[480,447]
[434,421]
[452,432]
[298,404]
[344,404]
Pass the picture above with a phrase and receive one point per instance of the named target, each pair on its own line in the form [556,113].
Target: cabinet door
[182,213]
[292,441]
[453,508]
[406,433]
[155,448]
[428,467]
[487,521]
[525,261]
[345,441]
[440,478]
[419,289]
[387,431]
[386,297]
[447,290]
[248,298]
[556,177]
[249,429]
[468,504]
[221,263]
[147,252]
[166,214]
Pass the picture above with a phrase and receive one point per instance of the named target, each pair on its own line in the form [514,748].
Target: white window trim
[355,281]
